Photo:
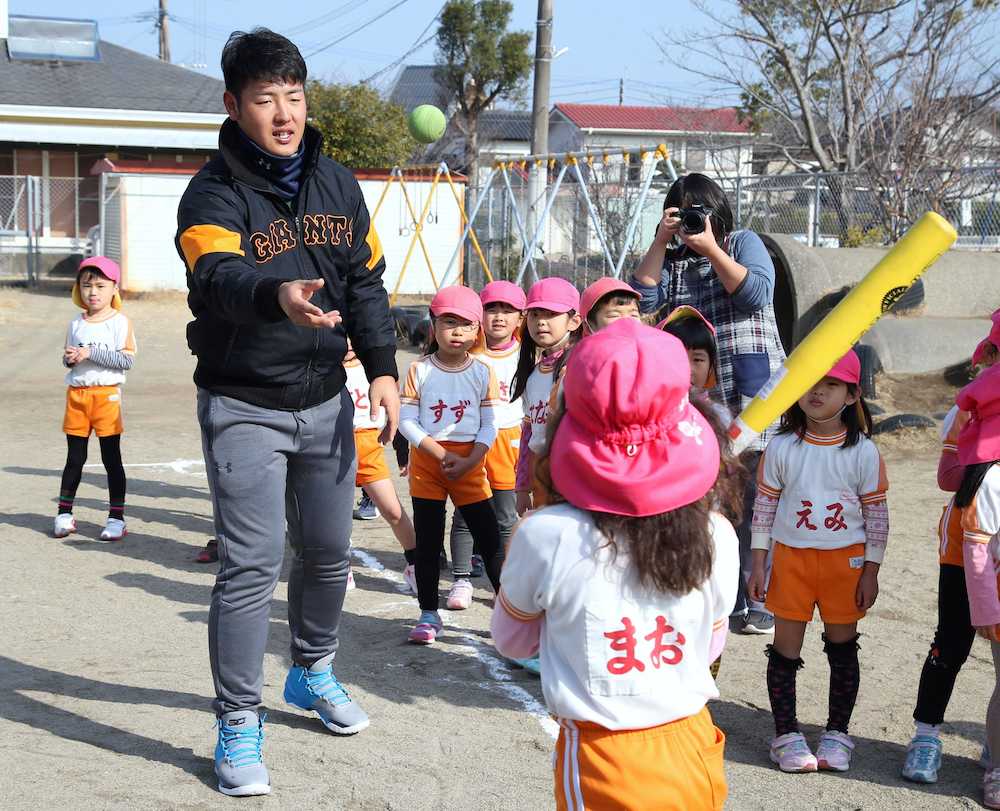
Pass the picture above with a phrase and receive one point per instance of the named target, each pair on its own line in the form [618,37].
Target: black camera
[693,218]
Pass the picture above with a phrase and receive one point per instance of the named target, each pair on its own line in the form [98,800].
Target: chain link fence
[826,210]
[42,220]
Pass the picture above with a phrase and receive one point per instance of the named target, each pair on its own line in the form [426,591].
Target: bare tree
[896,91]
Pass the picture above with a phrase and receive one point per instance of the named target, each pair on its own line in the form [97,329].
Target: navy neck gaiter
[284,173]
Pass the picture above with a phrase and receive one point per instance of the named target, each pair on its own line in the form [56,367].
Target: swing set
[420,208]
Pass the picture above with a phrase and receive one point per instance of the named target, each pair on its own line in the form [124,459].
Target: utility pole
[621,91]
[537,177]
[161,22]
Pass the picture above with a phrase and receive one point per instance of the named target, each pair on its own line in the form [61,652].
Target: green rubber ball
[426,123]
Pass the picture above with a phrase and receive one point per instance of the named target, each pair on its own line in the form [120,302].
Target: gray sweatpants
[505,507]
[266,467]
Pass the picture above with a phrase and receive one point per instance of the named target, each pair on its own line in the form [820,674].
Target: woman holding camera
[698,259]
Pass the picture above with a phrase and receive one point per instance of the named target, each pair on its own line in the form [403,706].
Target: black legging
[76,458]
[952,642]
[428,522]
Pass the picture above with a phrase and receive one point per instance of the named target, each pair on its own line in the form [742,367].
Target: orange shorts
[673,766]
[427,480]
[501,460]
[93,408]
[371,457]
[802,579]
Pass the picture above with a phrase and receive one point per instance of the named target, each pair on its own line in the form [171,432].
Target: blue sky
[606,41]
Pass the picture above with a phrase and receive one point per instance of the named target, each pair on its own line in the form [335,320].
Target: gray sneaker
[239,764]
[758,622]
[317,689]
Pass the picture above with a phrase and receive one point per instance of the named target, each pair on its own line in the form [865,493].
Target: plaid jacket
[749,347]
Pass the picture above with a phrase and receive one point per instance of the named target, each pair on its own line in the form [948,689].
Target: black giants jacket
[240,241]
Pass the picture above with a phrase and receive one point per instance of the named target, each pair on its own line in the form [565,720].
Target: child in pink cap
[605,301]
[954,632]
[448,415]
[978,498]
[624,583]
[821,504]
[100,348]
[503,311]
[553,321]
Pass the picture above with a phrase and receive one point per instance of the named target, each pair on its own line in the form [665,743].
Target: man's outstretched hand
[293,298]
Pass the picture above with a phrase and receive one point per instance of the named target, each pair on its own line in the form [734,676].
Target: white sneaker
[410,576]
[834,751]
[65,524]
[350,580]
[460,595]
[114,530]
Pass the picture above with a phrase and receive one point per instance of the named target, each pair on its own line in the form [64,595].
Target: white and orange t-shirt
[503,362]
[454,404]
[114,333]
[821,489]
[357,387]
[613,652]
[981,530]
[536,403]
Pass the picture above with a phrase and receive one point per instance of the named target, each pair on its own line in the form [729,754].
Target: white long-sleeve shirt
[449,404]
[109,337]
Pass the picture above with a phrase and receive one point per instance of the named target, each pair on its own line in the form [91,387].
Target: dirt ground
[105,679]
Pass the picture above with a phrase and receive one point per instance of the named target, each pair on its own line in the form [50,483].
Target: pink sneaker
[426,629]
[834,751]
[460,596]
[792,754]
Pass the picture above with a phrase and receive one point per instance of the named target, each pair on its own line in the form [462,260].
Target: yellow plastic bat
[919,248]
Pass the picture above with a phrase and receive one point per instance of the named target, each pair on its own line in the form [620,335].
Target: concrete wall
[960,291]
[148,221]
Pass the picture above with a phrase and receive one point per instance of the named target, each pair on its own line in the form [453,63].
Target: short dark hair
[694,334]
[857,419]
[699,190]
[616,298]
[261,54]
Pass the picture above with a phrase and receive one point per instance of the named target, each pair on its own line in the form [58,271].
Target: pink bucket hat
[458,300]
[630,442]
[505,293]
[848,368]
[554,294]
[599,290]
[107,268]
[993,339]
[979,441]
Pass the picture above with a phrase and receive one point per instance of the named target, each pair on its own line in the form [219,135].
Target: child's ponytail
[526,361]
[971,481]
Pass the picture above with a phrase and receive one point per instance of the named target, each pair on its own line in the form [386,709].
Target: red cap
[505,293]
[554,294]
[848,368]
[458,300]
[599,290]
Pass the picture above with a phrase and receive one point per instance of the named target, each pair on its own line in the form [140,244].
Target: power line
[354,31]
[323,19]
[422,39]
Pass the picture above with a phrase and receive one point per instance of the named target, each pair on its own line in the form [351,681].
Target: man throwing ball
[283,265]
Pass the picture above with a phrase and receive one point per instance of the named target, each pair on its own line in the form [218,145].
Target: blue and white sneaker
[366,509]
[239,764]
[923,759]
[532,665]
[477,566]
[317,689]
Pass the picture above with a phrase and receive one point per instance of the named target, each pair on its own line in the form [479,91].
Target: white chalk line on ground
[496,668]
[177,466]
